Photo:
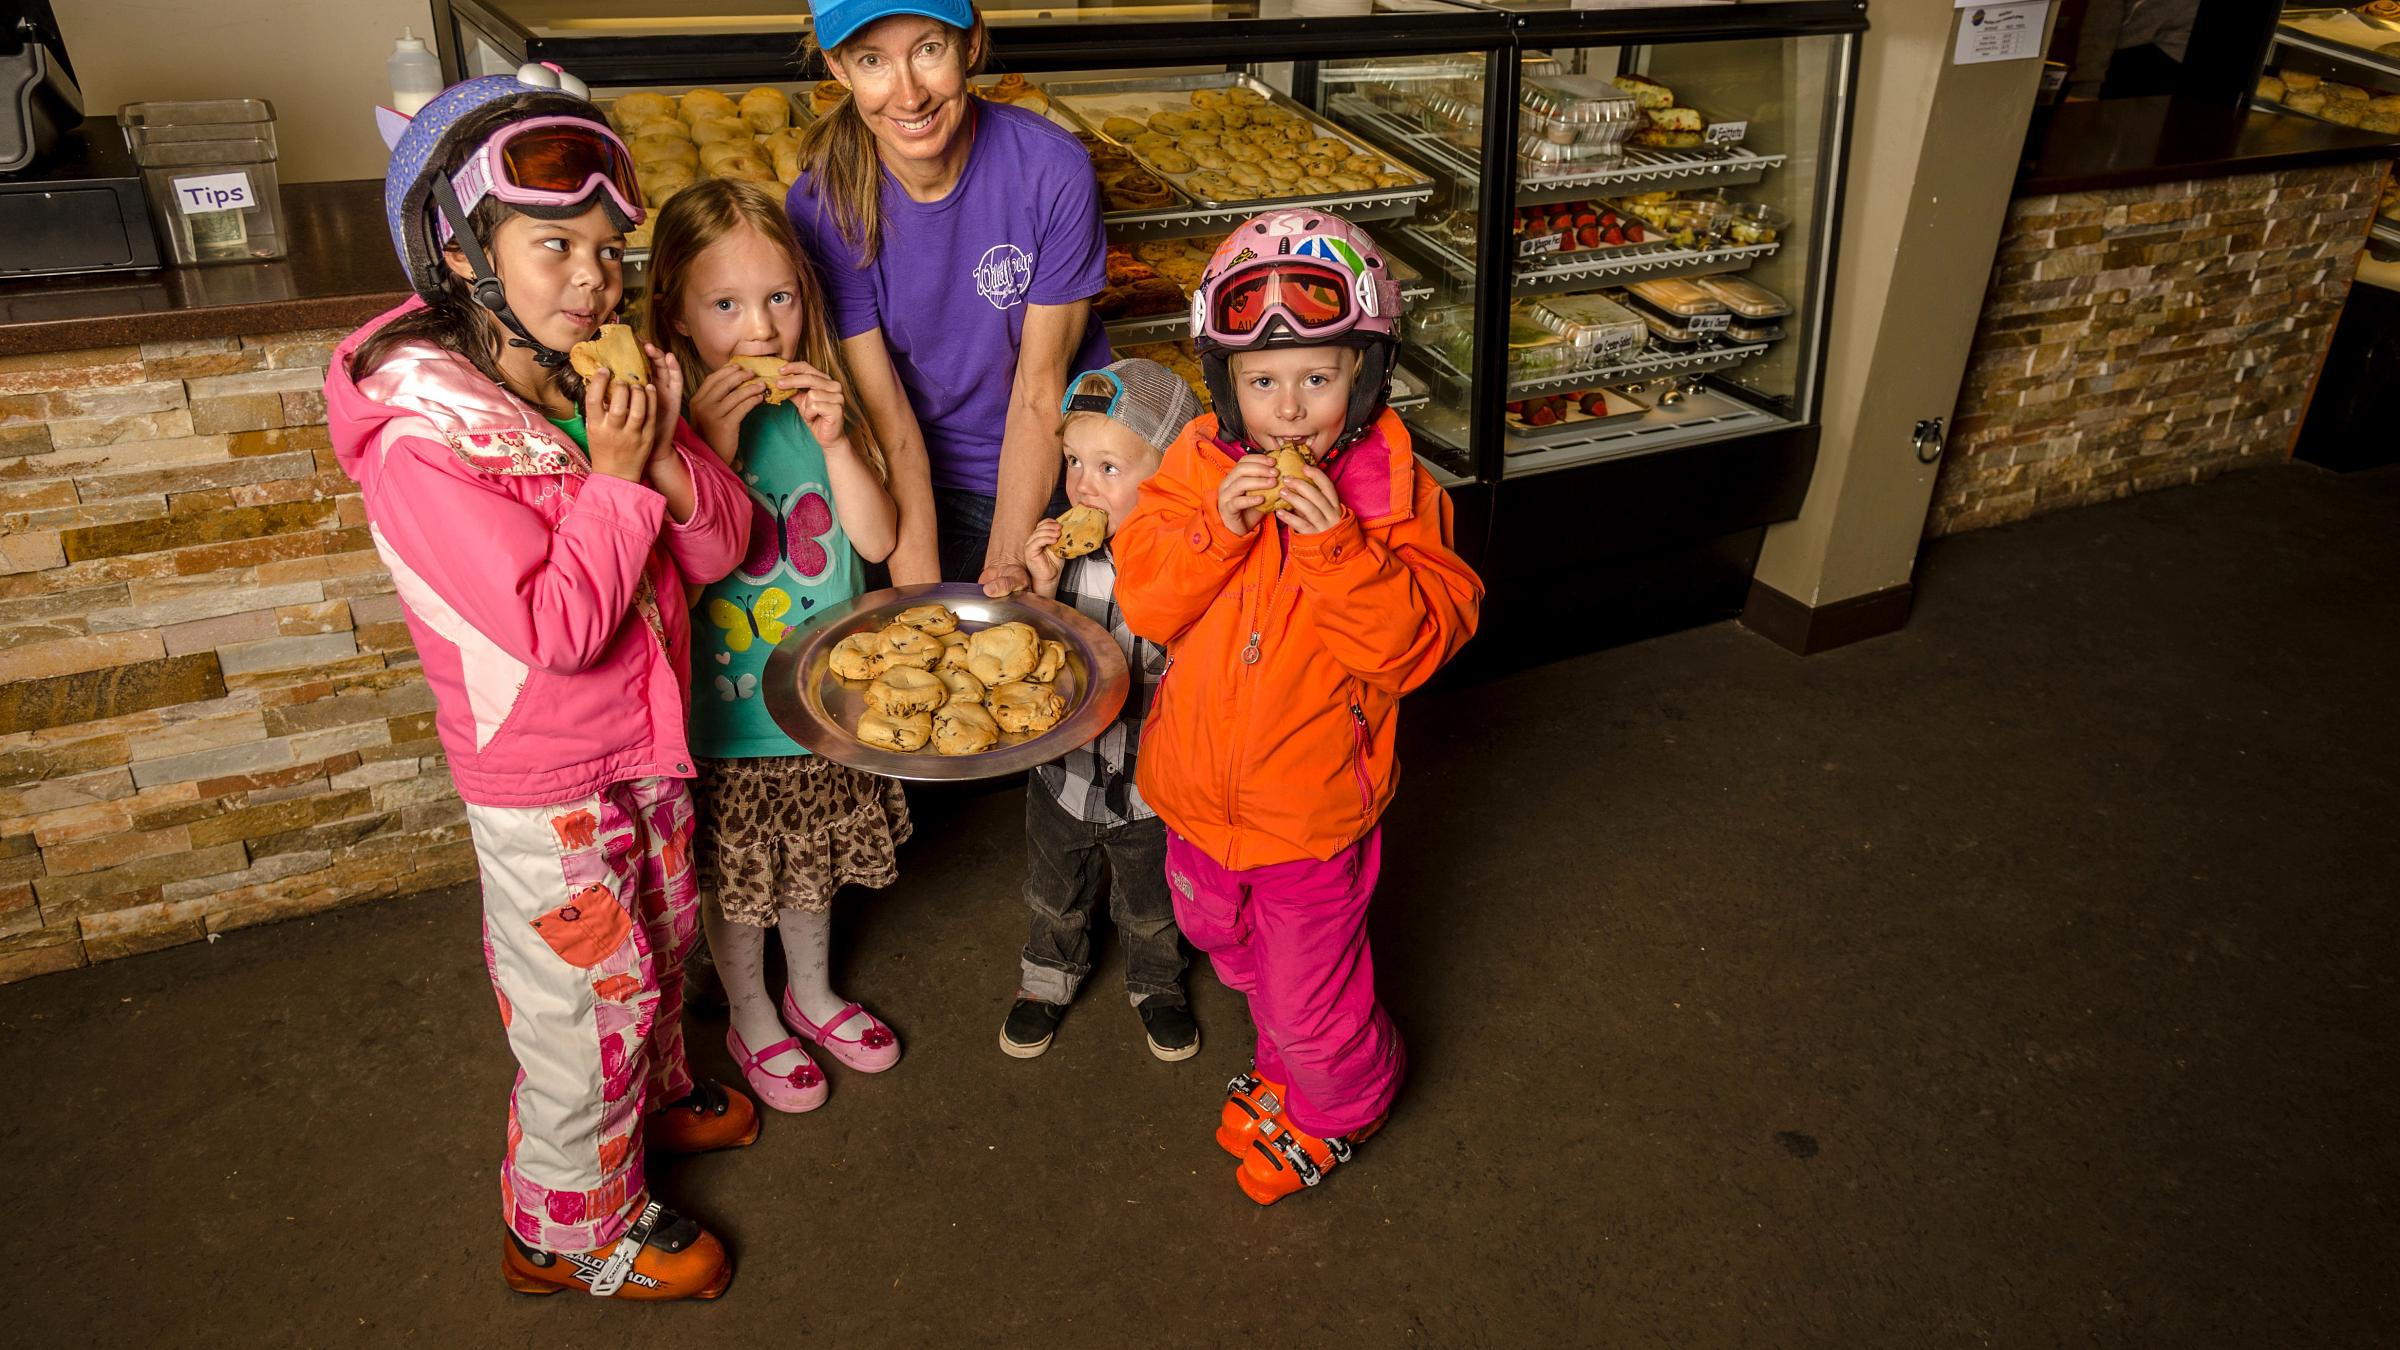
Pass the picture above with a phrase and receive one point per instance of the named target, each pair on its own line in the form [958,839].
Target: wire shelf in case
[1093,102]
[1649,364]
[1549,274]
[1645,170]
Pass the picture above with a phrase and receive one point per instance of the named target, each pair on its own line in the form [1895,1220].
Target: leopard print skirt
[788,832]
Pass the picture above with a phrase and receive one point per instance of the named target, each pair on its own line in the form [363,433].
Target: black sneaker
[1030,1025]
[1172,1032]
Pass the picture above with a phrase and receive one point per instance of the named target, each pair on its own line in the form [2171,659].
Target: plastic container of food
[1753,223]
[1536,353]
[1744,297]
[1676,297]
[1693,216]
[1571,110]
[1447,331]
[1594,323]
[1540,158]
[1454,118]
[1748,330]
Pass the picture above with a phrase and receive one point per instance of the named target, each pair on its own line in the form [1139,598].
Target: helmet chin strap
[489,293]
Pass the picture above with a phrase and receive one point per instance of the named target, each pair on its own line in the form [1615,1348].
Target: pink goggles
[549,161]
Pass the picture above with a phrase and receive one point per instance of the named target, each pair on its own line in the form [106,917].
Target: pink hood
[531,586]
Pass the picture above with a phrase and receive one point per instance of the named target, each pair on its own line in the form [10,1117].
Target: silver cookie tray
[1092,102]
[819,709]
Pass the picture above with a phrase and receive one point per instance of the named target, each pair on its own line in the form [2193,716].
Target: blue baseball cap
[838,20]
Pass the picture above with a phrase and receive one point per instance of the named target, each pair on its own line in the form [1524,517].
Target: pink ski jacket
[545,600]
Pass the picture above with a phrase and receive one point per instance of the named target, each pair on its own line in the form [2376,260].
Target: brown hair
[838,151]
[695,219]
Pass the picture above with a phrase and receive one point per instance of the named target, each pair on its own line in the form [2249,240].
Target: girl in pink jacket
[540,529]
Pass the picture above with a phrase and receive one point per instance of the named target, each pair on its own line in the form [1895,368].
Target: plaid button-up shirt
[1094,784]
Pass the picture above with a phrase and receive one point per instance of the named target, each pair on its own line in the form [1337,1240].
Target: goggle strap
[445,199]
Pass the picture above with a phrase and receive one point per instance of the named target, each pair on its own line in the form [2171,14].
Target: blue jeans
[962,521]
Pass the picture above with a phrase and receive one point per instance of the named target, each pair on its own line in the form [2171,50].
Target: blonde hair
[691,222]
[837,151]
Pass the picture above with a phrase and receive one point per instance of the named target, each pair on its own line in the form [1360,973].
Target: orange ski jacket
[1269,738]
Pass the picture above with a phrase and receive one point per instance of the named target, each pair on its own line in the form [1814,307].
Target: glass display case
[1614,224]
[2340,67]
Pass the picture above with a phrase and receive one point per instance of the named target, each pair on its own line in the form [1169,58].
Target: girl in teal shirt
[780,829]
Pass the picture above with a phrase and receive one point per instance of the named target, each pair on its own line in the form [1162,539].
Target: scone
[1027,707]
[770,370]
[1081,530]
[1054,660]
[935,620]
[1003,653]
[963,686]
[900,645]
[1119,128]
[1208,100]
[856,657]
[894,733]
[617,350]
[1243,96]
[964,728]
[905,690]
[1291,461]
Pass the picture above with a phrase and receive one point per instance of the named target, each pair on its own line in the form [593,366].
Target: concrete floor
[2023,978]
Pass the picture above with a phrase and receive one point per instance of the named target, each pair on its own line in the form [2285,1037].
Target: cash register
[70,192]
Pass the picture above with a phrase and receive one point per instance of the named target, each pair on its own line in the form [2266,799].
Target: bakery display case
[2343,67]
[1613,225]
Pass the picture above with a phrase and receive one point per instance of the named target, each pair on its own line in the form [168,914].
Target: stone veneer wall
[2146,337]
[210,712]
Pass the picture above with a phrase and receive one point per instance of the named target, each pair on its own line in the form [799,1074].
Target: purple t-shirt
[950,285]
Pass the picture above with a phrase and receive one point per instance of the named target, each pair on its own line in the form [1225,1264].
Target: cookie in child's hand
[1081,530]
[768,369]
[1291,461]
[616,350]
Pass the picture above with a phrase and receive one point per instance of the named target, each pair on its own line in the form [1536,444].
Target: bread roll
[632,108]
[766,110]
[700,103]
[713,155]
[2301,81]
[708,130]
[650,150]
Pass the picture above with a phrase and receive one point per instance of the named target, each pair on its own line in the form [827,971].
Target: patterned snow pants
[588,910]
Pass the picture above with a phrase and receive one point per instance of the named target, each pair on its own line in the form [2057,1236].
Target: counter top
[340,273]
[2113,143]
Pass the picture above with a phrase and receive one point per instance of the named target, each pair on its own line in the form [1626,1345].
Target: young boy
[1086,825]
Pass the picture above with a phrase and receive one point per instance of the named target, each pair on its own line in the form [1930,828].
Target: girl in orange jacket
[1298,566]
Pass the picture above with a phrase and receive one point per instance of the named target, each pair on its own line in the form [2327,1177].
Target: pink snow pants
[1293,938]
[588,910]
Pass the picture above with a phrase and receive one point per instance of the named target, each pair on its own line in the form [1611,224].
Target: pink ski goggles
[550,161]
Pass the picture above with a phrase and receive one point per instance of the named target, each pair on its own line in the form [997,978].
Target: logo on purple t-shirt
[1003,275]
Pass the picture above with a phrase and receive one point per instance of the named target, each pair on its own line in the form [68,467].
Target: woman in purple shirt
[961,246]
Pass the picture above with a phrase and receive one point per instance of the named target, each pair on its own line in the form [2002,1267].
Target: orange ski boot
[1289,1161]
[662,1256]
[709,1117]
[1252,1104]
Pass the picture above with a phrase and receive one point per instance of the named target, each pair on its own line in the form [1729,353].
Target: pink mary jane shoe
[800,1088]
[871,1048]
